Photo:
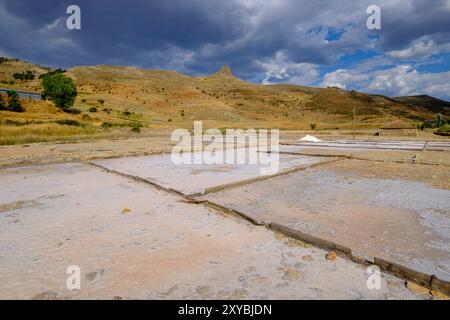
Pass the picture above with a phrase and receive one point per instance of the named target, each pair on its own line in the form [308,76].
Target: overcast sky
[318,43]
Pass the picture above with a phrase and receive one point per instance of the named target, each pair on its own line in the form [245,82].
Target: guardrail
[23,94]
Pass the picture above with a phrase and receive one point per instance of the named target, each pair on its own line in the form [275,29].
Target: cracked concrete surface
[403,221]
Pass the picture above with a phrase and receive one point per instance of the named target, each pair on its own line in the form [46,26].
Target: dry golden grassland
[118,101]
[42,122]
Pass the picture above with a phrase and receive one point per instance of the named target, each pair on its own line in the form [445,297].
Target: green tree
[14,102]
[440,121]
[60,89]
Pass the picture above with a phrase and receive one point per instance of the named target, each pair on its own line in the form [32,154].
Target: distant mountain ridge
[428,102]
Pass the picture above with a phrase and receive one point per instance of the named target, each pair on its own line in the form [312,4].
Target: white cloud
[405,80]
[447,5]
[419,49]
[280,68]
[400,80]
[341,78]
[52,26]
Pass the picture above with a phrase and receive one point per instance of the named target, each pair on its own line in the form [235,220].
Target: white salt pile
[309,138]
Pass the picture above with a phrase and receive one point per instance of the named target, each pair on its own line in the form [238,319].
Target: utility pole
[354,121]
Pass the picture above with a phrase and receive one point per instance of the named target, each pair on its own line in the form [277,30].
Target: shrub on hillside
[106,125]
[2,103]
[72,111]
[136,127]
[50,73]
[93,109]
[60,89]
[425,125]
[14,102]
[69,122]
[440,121]
[27,75]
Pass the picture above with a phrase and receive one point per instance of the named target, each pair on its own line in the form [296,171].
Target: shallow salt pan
[403,221]
[197,178]
[56,216]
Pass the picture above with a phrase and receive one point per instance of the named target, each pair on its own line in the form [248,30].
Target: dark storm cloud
[415,19]
[280,40]
[118,30]
[235,32]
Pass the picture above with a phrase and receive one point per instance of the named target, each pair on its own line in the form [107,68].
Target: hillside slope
[170,99]
[223,100]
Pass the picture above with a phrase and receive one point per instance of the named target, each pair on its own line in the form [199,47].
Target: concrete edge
[136,178]
[230,211]
[426,280]
[187,198]
[262,178]
[32,163]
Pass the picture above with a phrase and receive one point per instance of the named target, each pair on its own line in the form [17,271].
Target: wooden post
[354,121]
